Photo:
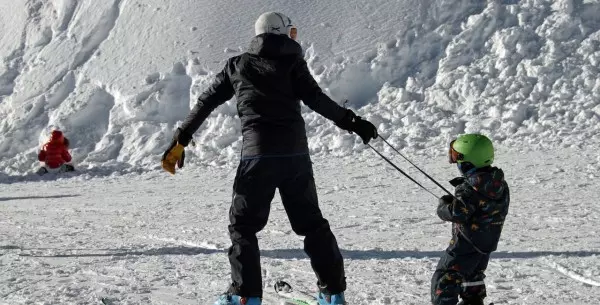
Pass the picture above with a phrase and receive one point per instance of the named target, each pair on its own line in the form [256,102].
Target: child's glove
[447,199]
[175,155]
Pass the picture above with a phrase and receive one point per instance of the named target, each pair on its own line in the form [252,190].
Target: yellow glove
[175,155]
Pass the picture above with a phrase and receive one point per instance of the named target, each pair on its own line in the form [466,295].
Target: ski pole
[424,173]
[402,172]
[434,181]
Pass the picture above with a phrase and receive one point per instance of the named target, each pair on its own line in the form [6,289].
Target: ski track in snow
[160,239]
[574,275]
[98,35]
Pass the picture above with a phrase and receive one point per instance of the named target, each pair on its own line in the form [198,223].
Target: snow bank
[119,76]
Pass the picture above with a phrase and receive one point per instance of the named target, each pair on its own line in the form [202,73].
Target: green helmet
[476,149]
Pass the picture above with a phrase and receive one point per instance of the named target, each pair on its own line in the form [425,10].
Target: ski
[106,301]
[291,296]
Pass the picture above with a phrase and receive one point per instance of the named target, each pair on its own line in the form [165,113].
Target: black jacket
[268,82]
[479,210]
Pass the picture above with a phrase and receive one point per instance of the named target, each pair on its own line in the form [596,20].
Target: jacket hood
[273,45]
[488,181]
[56,136]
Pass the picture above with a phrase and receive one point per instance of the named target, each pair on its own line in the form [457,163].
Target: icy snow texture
[150,239]
[118,76]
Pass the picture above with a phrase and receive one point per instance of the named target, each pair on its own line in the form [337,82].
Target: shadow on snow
[400,254]
[287,254]
[38,197]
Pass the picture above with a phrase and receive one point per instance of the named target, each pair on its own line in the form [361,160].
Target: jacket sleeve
[42,155]
[66,155]
[220,91]
[460,210]
[307,89]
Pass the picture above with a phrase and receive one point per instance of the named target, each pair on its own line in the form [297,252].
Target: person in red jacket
[55,154]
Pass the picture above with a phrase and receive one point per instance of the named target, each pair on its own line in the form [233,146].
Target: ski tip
[106,301]
[282,286]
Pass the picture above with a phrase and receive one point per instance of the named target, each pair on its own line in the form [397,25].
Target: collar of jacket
[488,181]
[273,45]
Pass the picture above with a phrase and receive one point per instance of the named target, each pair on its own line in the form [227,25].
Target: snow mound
[118,76]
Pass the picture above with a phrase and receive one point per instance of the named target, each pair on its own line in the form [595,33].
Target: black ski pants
[459,272]
[253,191]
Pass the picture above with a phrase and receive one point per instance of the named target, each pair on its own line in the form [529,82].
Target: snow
[154,239]
[119,76]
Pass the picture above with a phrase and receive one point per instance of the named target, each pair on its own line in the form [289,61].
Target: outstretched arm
[218,93]
[307,89]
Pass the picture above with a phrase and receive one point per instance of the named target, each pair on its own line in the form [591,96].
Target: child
[477,212]
[55,154]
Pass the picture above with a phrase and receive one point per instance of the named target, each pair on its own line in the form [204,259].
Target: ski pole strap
[424,173]
[401,171]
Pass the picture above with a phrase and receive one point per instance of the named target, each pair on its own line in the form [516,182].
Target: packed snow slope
[117,76]
[153,239]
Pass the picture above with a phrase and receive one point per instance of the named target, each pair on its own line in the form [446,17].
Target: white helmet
[275,23]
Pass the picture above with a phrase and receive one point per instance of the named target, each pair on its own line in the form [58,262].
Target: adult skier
[268,81]
[477,211]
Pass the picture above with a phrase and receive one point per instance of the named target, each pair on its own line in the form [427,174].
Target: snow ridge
[524,73]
